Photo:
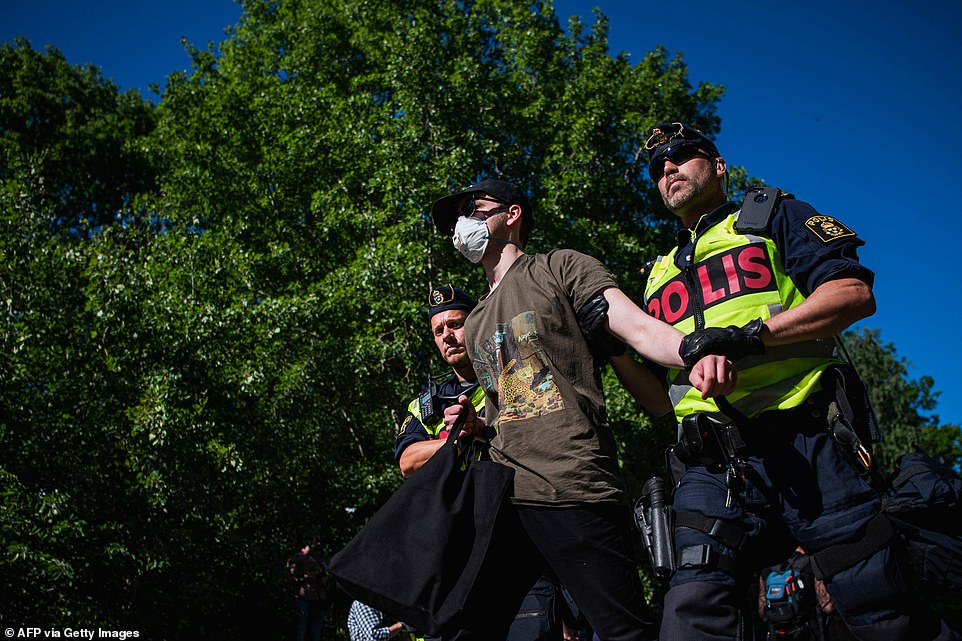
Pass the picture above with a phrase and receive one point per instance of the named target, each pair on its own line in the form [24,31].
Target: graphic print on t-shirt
[510,363]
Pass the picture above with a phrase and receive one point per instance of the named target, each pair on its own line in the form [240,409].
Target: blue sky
[852,106]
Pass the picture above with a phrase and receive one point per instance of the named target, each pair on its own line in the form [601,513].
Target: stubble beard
[688,197]
[681,196]
[457,360]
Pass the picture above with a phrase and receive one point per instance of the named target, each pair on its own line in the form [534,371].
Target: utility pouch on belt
[715,444]
[707,441]
[697,443]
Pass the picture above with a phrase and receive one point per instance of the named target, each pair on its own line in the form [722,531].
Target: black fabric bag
[924,502]
[418,557]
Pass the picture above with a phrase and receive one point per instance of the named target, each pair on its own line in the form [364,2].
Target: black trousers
[587,547]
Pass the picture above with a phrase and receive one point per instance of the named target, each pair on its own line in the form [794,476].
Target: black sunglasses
[469,207]
[678,155]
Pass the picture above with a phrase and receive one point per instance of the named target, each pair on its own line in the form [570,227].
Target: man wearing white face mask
[534,340]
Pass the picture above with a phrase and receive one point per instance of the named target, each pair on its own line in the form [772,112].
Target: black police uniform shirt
[413,431]
[810,255]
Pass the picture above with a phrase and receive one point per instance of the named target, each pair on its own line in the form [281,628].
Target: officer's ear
[720,167]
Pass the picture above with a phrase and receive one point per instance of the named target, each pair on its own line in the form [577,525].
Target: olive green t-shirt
[543,392]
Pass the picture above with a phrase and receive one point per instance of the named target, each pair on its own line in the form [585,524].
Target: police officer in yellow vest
[422,430]
[781,461]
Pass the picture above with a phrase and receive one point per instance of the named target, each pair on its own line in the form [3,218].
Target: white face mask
[471,238]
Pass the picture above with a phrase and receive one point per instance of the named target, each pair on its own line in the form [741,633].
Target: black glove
[733,342]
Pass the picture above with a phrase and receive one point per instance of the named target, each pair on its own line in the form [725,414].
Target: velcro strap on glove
[732,342]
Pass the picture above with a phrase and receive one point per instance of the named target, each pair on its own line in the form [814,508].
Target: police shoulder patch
[827,228]
[404,425]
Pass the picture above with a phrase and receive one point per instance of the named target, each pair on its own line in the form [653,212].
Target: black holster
[707,441]
[653,518]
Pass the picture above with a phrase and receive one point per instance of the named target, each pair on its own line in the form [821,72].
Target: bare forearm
[830,309]
[641,384]
[653,339]
[417,454]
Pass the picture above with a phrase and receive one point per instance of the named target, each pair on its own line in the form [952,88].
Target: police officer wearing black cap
[422,430]
[534,341]
[783,460]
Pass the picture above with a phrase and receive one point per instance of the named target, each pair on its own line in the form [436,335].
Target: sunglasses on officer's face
[677,155]
[469,207]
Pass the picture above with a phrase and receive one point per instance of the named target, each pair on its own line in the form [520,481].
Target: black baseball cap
[444,212]
[666,136]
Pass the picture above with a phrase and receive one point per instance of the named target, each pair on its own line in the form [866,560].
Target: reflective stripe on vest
[434,427]
[732,279]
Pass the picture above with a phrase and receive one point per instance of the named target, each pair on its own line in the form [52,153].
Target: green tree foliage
[904,407]
[68,139]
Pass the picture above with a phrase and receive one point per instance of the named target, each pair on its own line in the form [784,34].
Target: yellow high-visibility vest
[732,279]
[435,426]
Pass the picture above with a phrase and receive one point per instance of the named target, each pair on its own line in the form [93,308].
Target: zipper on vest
[697,305]
[697,308]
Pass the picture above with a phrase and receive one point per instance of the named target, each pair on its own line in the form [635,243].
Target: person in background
[422,429]
[310,593]
[364,623]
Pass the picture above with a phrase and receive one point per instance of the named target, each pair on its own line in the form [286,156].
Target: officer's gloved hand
[733,342]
